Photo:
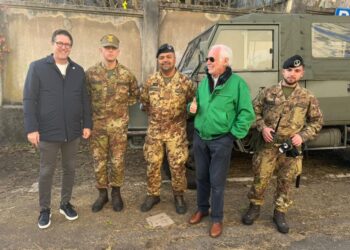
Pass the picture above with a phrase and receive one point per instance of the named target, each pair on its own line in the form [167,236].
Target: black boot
[117,201]
[251,215]
[280,221]
[101,200]
[149,202]
[180,204]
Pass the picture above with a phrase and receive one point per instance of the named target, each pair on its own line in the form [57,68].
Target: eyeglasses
[211,59]
[61,45]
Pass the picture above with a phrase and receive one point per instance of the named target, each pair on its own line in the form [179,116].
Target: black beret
[165,48]
[294,61]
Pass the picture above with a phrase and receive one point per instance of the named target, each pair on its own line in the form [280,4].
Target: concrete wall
[30,33]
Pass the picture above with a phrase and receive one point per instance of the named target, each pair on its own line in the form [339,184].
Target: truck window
[252,49]
[190,59]
[330,40]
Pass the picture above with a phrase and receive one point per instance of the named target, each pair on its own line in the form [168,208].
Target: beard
[167,68]
[290,81]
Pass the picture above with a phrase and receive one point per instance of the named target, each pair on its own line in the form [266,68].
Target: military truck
[261,42]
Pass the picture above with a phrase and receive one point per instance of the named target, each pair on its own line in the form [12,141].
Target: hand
[297,140]
[267,134]
[193,106]
[34,138]
[86,133]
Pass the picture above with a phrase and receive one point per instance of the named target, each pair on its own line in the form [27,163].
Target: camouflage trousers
[265,163]
[177,152]
[105,143]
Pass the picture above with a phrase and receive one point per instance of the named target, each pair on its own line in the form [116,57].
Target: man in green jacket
[223,113]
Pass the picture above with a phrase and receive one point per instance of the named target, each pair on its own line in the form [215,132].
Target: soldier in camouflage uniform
[288,113]
[112,88]
[164,97]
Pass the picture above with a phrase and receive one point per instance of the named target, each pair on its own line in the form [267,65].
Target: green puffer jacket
[228,108]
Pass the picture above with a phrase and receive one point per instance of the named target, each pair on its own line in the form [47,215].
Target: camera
[288,148]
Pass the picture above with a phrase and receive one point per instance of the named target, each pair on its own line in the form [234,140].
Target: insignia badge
[110,38]
[297,63]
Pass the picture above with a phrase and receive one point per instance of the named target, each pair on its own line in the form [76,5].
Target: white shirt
[215,81]
[62,68]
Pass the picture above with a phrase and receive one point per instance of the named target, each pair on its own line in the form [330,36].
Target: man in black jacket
[56,113]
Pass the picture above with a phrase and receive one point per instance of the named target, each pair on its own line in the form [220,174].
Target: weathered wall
[30,33]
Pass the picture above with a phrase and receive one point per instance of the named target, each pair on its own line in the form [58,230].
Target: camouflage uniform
[165,104]
[111,91]
[300,114]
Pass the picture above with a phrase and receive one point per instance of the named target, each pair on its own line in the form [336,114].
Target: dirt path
[320,218]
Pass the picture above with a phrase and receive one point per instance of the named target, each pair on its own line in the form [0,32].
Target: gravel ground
[320,218]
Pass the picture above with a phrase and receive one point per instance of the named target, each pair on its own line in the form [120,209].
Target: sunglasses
[211,59]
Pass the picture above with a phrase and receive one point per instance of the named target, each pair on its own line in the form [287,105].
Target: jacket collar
[50,59]
[222,78]
[175,78]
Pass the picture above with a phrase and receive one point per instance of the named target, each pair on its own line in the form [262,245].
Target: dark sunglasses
[210,59]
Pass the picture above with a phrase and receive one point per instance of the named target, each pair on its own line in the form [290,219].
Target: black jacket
[56,106]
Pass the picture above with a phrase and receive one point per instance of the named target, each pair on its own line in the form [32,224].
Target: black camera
[288,148]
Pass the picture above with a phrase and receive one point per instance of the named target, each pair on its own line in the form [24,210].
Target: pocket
[154,97]
[178,100]
[298,115]
[122,92]
[219,123]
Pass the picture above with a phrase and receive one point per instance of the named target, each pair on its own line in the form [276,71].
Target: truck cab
[262,42]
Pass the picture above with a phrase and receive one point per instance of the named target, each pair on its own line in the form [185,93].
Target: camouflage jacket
[165,105]
[300,112]
[111,91]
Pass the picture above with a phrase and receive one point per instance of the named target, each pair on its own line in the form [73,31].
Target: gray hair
[224,52]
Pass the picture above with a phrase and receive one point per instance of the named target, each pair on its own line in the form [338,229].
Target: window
[190,60]
[252,49]
[331,40]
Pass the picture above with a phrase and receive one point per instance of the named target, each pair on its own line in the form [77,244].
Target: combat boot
[117,201]
[180,204]
[280,221]
[251,215]
[101,200]
[149,202]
